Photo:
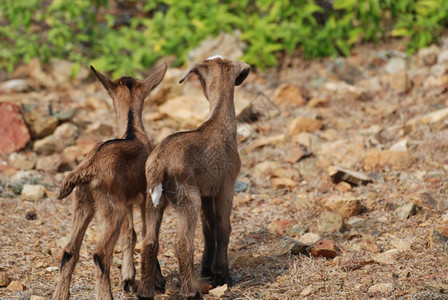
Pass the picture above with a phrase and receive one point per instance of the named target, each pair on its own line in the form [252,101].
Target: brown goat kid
[110,180]
[195,171]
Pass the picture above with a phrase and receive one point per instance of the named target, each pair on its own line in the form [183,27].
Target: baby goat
[110,180]
[195,171]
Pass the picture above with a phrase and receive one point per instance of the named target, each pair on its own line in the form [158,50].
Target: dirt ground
[376,117]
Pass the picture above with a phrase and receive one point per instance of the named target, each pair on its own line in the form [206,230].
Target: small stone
[50,163]
[39,120]
[379,159]
[32,192]
[297,153]
[15,85]
[52,269]
[338,174]
[5,280]
[400,146]
[369,244]
[169,88]
[401,245]
[218,291]
[188,111]
[381,288]
[318,102]
[13,131]
[428,56]
[64,135]
[343,187]
[296,231]
[283,183]
[264,141]
[395,64]
[15,286]
[265,168]
[34,297]
[289,94]
[23,160]
[309,238]
[347,206]
[304,124]
[386,258]
[290,246]
[437,287]
[279,227]
[100,128]
[324,248]
[423,199]
[240,186]
[311,289]
[225,44]
[355,223]
[31,215]
[407,210]
[330,222]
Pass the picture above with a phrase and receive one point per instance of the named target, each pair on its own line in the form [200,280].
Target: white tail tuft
[156,194]
[215,57]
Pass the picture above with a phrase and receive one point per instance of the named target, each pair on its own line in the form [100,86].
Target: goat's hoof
[145,298]
[221,279]
[206,272]
[160,283]
[198,296]
[127,285]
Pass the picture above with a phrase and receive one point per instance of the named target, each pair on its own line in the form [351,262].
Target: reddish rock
[14,133]
[289,94]
[324,248]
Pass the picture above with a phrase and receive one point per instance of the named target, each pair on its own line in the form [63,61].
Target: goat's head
[129,91]
[217,71]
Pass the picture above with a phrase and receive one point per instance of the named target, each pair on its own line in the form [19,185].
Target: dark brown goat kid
[195,171]
[110,180]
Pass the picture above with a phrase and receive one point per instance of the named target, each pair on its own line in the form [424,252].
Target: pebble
[383,288]
[5,280]
[32,192]
[15,286]
[330,222]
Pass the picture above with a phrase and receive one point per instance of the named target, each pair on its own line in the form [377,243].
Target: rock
[400,146]
[309,238]
[282,183]
[14,85]
[22,176]
[265,168]
[429,118]
[264,141]
[338,174]
[437,287]
[52,269]
[386,258]
[423,199]
[330,222]
[345,91]
[379,159]
[381,288]
[64,135]
[240,186]
[296,153]
[407,210]
[355,223]
[100,128]
[280,227]
[442,58]
[34,297]
[5,280]
[39,119]
[13,131]
[324,248]
[401,244]
[428,56]
[188,111]
[31,215]
[397,81]
[346,153]
[23,160]
[50,163]
[304,124]
[347,206]
[369,244]
[64,71]
[343,187]
[318,102]
[289,94]
[15,286]
[218,291]
[290,246]
[225,44]
[169,88]
[32,192]
[295,231]
[395,64]
[311,289]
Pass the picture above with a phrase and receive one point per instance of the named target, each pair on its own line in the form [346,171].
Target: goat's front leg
[149,265]
[113,217]
[128,239]
[83,212]
[188,217]
[209,231]
[223,209]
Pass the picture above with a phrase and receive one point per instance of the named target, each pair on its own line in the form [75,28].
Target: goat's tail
[76,177]
[154,174]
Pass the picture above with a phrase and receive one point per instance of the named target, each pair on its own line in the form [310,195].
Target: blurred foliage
[89,31]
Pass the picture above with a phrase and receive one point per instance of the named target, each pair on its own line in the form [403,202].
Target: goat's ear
[241,71]
[154,79]
[105,81]
[192,68]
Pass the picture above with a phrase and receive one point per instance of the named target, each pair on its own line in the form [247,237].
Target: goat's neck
[130,125]
[222,110]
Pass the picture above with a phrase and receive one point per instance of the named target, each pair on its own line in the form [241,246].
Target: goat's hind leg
[128,238]
[209,231]
[113,214]
[223,209]
[83,211]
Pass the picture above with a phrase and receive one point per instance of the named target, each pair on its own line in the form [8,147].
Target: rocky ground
[342,192]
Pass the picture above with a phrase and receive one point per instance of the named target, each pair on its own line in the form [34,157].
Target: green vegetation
[89,31]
